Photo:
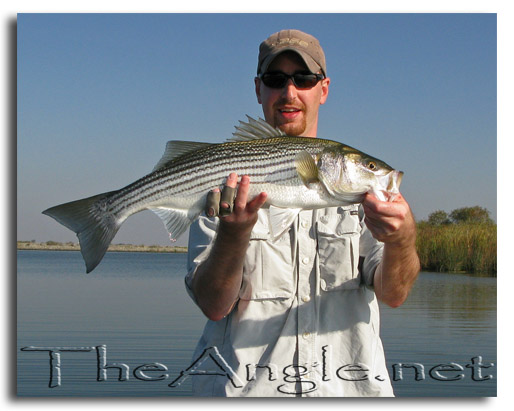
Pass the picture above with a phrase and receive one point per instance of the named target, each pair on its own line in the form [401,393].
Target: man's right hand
[244,214]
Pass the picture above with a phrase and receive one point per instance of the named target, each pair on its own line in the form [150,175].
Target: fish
[297,173]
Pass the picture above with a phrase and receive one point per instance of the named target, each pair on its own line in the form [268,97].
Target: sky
[99,95]
[92,101]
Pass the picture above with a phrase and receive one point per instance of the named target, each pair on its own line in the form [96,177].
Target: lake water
[133,310]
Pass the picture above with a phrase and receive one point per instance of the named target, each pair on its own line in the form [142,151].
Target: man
[299,315]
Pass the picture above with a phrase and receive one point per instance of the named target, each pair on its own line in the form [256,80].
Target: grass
[56,246]
[467,248]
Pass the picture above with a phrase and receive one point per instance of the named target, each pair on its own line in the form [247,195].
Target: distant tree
[439,217]
[476,214]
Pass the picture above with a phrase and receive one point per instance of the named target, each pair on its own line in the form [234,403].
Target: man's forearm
[217,280]
[393,224]
[396,273]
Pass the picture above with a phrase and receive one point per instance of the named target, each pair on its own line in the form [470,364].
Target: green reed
[457,247]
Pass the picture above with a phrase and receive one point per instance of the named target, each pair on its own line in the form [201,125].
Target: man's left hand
[390,222]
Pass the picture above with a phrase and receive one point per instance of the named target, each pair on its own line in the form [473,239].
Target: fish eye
[372,165]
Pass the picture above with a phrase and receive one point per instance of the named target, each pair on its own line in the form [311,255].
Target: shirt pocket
[268,270]
[338,247]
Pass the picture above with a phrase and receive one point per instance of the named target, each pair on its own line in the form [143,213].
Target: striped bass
[296,173]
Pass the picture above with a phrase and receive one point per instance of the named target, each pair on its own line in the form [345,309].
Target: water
[133,310]
[448,319]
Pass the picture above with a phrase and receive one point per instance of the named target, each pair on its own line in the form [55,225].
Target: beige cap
[304,44]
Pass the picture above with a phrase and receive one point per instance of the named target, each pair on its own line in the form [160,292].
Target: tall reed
[457,247]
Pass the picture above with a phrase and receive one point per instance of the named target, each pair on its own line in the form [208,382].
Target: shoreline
[55,246]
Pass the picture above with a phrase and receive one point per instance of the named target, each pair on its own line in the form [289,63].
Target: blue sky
[99,96]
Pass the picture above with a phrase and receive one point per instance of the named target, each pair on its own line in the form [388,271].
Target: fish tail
[94,225]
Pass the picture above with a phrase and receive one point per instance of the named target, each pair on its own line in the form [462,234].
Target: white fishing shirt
[307,319]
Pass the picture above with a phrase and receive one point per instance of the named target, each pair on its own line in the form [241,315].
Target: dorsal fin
[254,130]
[176,149]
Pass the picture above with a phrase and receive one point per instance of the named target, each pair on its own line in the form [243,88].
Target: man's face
[292,110]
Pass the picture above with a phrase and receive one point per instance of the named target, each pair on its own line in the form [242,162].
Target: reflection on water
[447,319]
[136,305]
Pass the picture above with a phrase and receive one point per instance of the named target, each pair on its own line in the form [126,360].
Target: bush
[468,247]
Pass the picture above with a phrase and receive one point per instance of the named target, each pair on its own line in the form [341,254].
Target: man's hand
[390,222]
[394,225]
[244,213]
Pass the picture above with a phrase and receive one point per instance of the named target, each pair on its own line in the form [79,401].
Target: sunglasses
[278,79]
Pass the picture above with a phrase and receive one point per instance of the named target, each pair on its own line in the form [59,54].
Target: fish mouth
[389,185]
[394,181]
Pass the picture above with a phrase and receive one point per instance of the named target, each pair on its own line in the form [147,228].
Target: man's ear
[257,81]
[324,90]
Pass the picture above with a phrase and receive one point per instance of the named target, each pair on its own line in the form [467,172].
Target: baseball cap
[304,44]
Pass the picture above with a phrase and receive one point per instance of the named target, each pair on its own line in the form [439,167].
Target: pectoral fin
[306,168]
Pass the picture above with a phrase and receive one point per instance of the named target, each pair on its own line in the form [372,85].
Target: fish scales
[296,173]
[257,160]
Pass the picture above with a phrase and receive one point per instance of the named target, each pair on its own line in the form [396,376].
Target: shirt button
[305,224]
[306,335]
[306,298]
[305,260]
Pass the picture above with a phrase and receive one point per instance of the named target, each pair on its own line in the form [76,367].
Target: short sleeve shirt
[307,319]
